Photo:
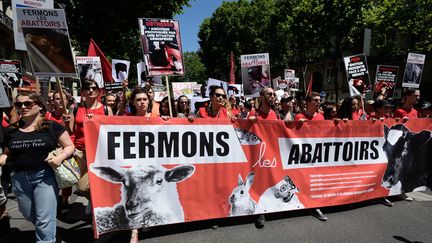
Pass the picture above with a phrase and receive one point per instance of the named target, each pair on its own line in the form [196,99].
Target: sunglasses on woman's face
[90,88]
[220,95]
[27,104]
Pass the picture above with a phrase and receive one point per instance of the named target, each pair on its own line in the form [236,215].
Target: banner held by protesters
[318,163]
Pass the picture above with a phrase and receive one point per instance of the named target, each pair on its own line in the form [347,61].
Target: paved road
[362,222]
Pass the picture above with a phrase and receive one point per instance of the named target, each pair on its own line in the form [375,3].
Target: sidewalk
[369,221]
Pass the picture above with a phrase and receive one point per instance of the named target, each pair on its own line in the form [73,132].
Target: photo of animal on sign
[47,39]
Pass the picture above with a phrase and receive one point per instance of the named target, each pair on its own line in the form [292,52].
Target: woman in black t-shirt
[33,180]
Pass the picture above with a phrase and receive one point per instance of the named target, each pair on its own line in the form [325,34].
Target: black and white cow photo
[409,159]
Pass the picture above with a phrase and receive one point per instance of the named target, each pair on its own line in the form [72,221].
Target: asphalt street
[368,221]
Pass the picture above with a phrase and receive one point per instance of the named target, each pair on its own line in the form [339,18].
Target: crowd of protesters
[33,118]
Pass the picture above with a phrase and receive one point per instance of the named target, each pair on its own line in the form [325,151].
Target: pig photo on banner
[385,82]
[89,68]
[161,43]
[10,73]
[255,70]
[413,70]
[357,74]
[48,43]
[120,70]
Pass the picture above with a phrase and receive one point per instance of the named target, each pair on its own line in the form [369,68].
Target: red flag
[94,51]
[232,74]
[309,89]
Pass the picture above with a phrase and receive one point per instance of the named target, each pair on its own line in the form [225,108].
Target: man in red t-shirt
[410,98]
[311,113]
[265,110]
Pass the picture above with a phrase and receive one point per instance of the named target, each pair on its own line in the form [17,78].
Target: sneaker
[259,223]
[318,214]
[4,225]
[386,202]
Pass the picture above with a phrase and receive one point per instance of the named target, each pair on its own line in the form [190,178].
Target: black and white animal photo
[247,138]
[240,199]
[10,80]
[413,73]
[280,197]
[409,159]
[149,196]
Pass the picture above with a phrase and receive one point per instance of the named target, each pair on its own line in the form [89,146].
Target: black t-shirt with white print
[30,149]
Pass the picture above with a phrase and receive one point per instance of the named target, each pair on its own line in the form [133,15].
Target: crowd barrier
[146,171]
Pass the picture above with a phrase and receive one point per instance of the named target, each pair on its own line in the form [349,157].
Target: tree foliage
[296,32]
[195,70]
[114,24]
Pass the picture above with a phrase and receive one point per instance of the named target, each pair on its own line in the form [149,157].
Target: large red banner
[146,171]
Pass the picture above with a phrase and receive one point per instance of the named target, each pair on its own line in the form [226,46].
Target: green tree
[195,70]
[240,27]
[297,32]
[114,24]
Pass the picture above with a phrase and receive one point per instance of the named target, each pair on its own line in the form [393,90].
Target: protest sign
[47,39]
[413,70]
[385,81]
[315,164]
[4,100]
[161,43]
[183,88]
[235,90]
[18,34]
[141,73]
[357,74]
[10,73]
[215,82]
[160,92]
[90,68]
[120,70]
[255,70]
[113,87]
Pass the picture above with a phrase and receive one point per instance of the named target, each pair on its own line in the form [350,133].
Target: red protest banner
[145,172]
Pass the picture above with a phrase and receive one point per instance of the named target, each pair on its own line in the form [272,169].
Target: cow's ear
[386,130]
[420,139]
[179,173]
[107,173]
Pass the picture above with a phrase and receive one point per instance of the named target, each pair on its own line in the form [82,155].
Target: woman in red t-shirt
[216,109]
[89,107]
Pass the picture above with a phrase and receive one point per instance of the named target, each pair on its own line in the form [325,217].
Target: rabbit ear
[240,180]
[249,180]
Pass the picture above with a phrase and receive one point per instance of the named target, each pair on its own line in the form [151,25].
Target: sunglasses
[27,104]
[271,94]
[90,88]
[220,95]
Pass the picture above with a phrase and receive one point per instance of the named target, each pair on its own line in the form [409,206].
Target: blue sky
[192,18]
